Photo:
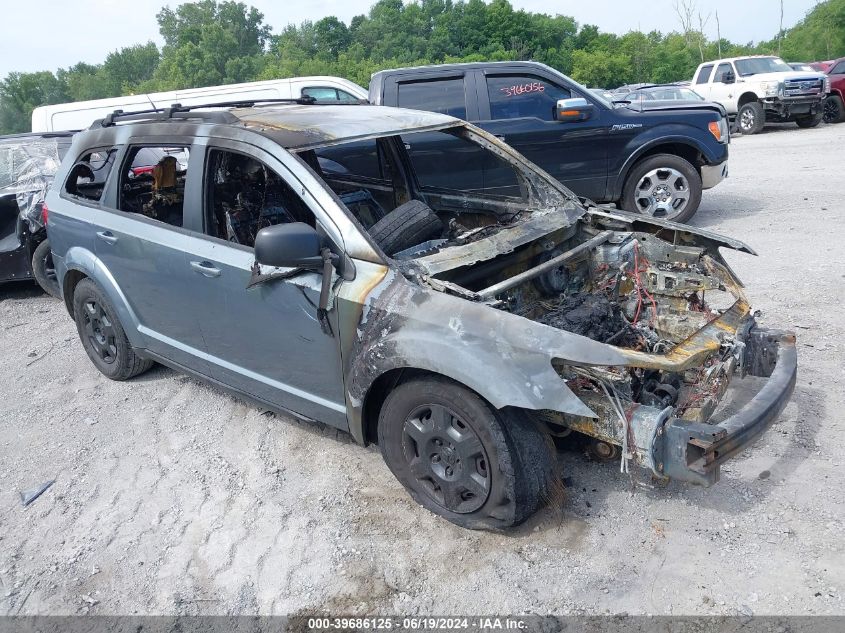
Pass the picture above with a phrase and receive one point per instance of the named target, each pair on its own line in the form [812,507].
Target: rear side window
[152,182]
[721,71]
[88,176]
[329,95]
[521,96]
[704,74]
[445,96]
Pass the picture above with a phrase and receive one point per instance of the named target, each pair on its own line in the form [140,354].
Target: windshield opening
[759,65]
[466,184]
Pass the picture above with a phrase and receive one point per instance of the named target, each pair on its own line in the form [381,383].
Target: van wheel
[477,467]
[834,111]
[810,121]
[43,269]
[663,186]
[102,335]
[751,118]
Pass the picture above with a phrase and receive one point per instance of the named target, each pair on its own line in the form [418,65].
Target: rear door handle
[205,268]
[107,236]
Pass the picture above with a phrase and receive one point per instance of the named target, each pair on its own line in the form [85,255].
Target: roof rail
[178,111]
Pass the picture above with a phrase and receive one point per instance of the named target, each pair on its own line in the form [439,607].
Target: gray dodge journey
[316,260]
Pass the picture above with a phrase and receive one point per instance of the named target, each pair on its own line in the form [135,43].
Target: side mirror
[575,109]
[293,245]
[728,78]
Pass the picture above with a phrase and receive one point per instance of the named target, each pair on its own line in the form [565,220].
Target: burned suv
[291,254]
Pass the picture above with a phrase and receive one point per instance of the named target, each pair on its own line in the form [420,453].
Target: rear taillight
[44,212]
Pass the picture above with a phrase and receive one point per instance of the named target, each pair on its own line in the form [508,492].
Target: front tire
[812,120]
[43,269]
[475,466]
[103,336]
[663,186]
[751,118]
[834,110]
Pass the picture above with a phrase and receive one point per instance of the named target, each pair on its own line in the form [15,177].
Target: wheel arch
[686,150]
[746,97]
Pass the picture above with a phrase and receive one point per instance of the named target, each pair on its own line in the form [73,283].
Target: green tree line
[210,43]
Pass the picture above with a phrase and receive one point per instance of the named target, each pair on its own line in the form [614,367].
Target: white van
[80,114]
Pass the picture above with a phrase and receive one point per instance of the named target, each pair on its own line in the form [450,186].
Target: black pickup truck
[653,158]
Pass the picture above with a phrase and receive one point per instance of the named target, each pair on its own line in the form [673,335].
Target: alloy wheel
[662,193]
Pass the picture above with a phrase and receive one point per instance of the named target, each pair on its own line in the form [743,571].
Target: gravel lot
[174,498]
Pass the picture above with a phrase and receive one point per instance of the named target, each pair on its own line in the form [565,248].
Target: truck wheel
[834,111]
[475,466]
[663,186]
[407,225]
[751,118]
[43,270]
[102,335]
[810,121]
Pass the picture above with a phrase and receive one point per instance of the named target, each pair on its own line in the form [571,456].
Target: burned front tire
[103,336]
[663,186]
[458,457]
[43,269]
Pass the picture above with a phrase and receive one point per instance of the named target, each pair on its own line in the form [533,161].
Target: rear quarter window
[704,74]
[89,174]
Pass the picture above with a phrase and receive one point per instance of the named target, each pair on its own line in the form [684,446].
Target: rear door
[141,241]
[518,107]
[441,161]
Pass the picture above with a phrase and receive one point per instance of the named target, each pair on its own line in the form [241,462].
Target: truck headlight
[826,85]
[771,88]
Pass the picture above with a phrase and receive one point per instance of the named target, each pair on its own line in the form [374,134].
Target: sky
[47,35]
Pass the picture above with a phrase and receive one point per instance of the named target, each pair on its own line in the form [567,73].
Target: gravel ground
[171,497]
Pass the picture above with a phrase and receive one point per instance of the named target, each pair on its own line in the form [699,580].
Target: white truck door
[723,86]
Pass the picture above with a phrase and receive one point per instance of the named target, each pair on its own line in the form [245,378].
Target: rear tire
[654,184]
[810,121]
[834,110]
[43,270]
[103,336]
[461,459]
[407,225]
[751,118]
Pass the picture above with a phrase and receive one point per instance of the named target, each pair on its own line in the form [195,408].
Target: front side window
[243,195]
[445,96]
[704,74]
[839,69]
[88,176]
[152,182]
[722,71]
[520,96]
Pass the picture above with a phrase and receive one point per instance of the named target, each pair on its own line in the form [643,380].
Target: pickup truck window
[757,65]
[519,96]
[445,96]
[704,74]
[839,69]
[723,69]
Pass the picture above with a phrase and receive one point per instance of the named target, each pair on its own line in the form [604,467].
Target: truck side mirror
[728,78]
[575,109]
[292,245]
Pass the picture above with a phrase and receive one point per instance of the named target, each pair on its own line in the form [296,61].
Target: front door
[265,340]
[519,108]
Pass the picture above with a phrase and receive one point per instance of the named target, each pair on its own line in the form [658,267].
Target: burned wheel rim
[99,330]
[662,193]
[447,458]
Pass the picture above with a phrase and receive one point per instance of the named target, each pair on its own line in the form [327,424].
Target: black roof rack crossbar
[178,111]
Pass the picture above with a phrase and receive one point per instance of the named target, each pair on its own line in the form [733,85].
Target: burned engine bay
[662,297]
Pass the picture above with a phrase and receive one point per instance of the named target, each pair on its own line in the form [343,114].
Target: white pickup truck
[758,89]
